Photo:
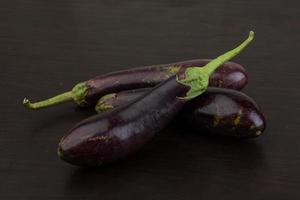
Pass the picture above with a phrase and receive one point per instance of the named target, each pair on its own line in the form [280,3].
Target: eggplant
[218,112]
[229,75]
[118,133]
[225,112]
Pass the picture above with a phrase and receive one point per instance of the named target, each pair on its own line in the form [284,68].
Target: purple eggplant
[113,135]
[225,112]
[229,75]
[218,111]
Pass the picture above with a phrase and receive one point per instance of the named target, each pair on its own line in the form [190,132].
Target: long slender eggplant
[111,136]
[218,111]
[229,75]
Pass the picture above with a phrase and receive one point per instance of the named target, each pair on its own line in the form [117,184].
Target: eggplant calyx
[79,93]
[102,105]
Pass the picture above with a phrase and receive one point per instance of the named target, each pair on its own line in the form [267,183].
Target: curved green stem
[215,63]
[77,95]
[64,97]
[197,77]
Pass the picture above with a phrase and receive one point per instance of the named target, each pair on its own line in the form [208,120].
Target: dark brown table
[48,46]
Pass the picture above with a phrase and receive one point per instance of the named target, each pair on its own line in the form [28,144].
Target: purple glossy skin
[229,75]
[120,132]
[224,112]
[218,111]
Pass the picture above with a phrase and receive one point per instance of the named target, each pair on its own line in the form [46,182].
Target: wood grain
[48,46]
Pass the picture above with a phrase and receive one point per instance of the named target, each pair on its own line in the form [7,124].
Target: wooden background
[48,46]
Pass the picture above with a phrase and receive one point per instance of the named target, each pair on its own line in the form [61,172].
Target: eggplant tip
[26,102]
[251,33]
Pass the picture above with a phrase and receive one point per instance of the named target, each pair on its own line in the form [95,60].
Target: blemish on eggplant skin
[237,120]
[252,127]
[100,138]
[258,133]
[216,120]
[173,69]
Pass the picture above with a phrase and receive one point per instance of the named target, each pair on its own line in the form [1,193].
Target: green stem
[196,78]
[215,63]
[77,95]
[64,97]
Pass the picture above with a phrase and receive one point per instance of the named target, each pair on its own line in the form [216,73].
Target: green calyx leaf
[102,104]
[79,93]
[196,79]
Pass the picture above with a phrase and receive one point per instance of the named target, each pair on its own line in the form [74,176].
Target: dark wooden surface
[48,46]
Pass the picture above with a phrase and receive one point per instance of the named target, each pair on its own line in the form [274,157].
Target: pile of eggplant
[135,104]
